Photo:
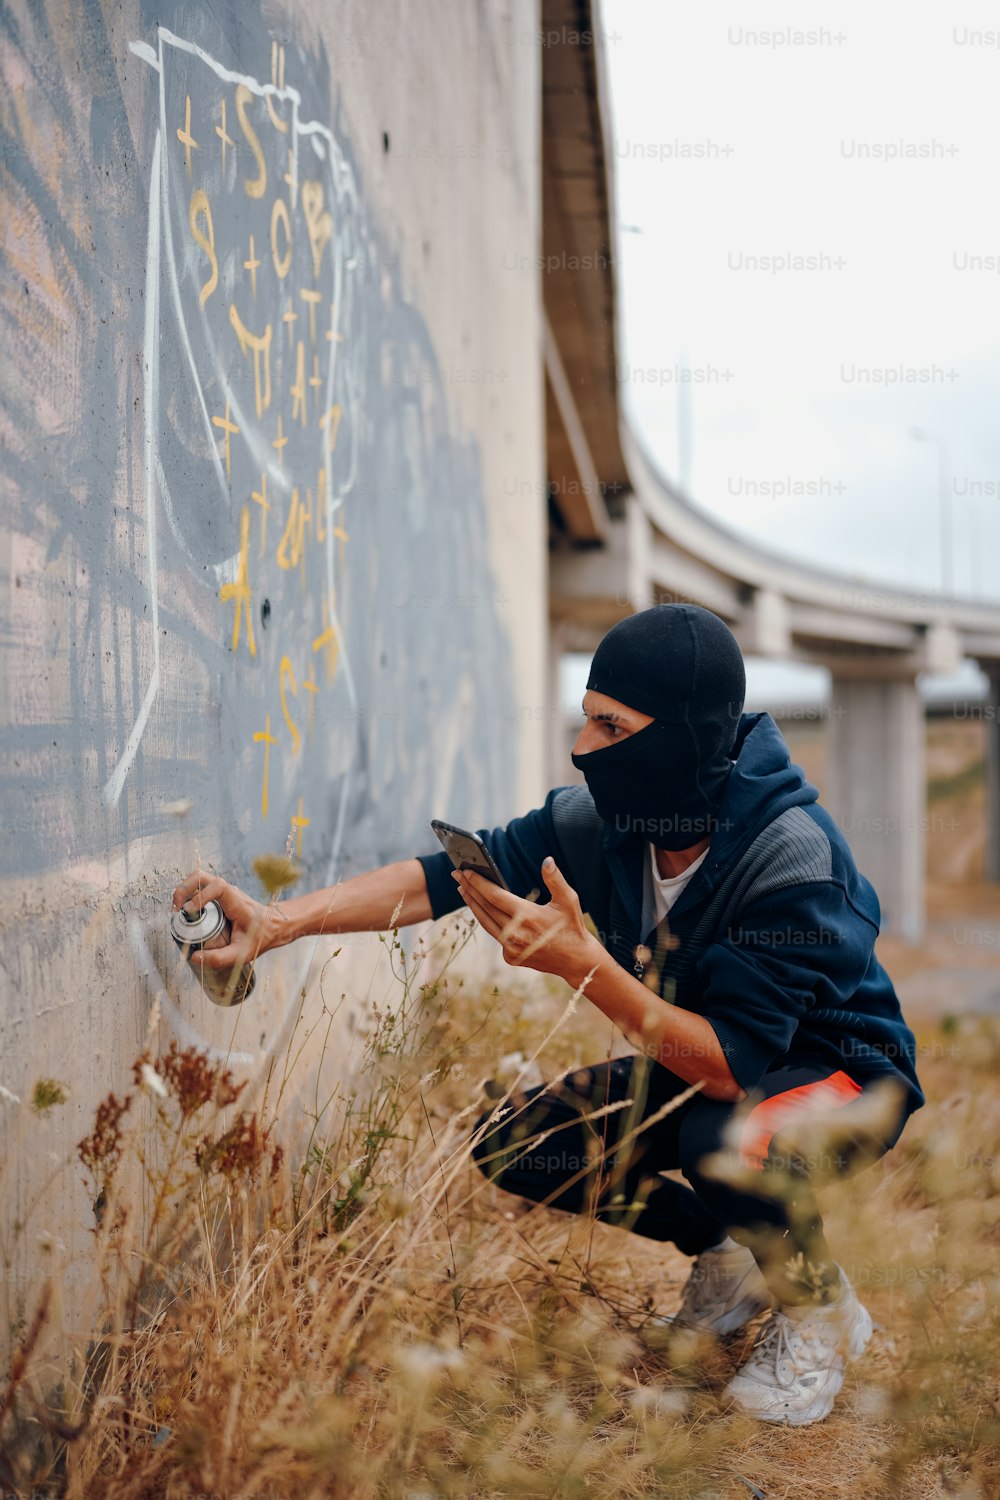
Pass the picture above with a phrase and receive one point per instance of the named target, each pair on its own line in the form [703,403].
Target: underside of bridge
[622,537]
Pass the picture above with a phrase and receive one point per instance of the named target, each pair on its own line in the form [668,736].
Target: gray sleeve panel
[793,850]
[790,851]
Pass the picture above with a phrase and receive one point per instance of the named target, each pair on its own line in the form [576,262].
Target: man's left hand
[552,938]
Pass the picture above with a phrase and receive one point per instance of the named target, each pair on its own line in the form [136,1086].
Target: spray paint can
[209,928]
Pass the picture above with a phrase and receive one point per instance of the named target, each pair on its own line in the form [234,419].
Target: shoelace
[780,1339]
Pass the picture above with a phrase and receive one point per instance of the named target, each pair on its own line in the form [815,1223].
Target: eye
[615,730]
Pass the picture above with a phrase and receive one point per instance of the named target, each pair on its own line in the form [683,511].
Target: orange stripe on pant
[770,1114]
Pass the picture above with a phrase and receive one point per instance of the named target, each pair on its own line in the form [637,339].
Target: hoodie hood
[763,784]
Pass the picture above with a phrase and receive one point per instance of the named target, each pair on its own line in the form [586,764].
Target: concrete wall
[264,372]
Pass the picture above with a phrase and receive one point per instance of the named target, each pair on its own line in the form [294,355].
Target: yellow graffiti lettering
[185,137]
[260,344]
[299,388]
[276,120]
[280,442]
[239,591]
[298,823]
[315,379]
[328,643]
[279,213]
[305,519]
[289,176]
[257,186]
[312,688]
[285,672]
[307,514]
[313,299]
[227,427]
[251,265]
[225,138]
[204,238]
[331,421]
[319,224]
[265,737]
[291,548]
[265,505]
[322,504]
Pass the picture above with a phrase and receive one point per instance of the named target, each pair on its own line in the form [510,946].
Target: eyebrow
[609,718]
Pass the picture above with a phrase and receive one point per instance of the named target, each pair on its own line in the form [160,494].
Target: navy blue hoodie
[773,938]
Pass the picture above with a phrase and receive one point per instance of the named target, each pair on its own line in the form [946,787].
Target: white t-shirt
[666,890]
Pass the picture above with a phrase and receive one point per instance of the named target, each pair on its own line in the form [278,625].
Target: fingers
[212,890]
[507,928]
[228,957]
[495,895]
[482,914]
[556,880]
[503,927]
[196,884]
[499,922]
[484,890]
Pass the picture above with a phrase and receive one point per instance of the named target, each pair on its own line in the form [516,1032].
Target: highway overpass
[622,537]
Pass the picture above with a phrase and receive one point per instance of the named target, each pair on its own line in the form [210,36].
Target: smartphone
[468,852]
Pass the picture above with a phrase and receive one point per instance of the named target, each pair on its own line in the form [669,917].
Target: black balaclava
[681,664]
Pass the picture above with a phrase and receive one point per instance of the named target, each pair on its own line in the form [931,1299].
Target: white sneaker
[797,1366]
[723,1292]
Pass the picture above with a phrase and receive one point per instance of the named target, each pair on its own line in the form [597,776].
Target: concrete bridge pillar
[877,791]
[992,723]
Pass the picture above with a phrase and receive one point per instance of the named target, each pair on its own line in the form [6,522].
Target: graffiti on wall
[235,487]
[260,292]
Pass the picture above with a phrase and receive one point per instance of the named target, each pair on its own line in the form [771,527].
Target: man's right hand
[256,927]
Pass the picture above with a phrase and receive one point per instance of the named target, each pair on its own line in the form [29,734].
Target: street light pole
[944,497]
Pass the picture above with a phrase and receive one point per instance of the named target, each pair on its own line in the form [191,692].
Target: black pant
[543,1146]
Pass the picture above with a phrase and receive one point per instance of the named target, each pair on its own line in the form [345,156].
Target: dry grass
[364,1316]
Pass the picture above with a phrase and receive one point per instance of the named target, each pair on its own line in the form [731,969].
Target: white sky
[684,75]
